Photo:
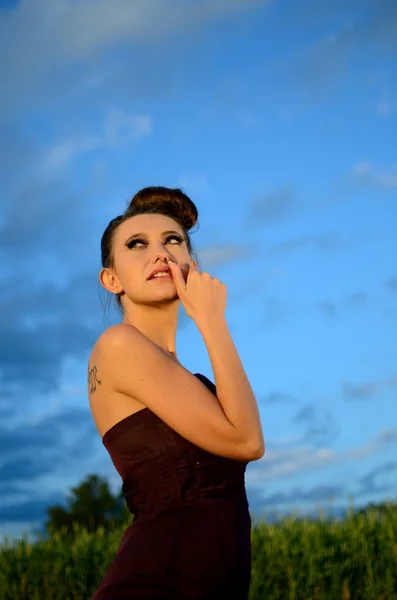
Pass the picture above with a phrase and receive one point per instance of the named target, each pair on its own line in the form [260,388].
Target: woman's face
[142,244]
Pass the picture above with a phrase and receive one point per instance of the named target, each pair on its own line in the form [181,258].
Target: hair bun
[171,202]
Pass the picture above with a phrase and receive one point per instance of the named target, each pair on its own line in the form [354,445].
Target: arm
[234,391]
[129,363]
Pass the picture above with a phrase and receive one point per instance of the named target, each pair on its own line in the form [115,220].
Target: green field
[294,559]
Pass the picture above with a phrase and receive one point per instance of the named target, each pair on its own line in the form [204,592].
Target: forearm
[233,388]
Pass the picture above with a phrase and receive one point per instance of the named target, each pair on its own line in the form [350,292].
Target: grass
[295,559]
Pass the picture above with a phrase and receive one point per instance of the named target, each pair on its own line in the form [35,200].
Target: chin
[164,296]
[167,297]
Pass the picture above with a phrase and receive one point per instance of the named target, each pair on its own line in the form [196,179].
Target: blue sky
[280,122]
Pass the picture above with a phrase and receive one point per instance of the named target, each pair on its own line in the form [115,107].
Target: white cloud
[119,129]
[366,389]
[384,108]
[214,256]
[59,49]
[364,172]
[284,114]
[58,31]
[324,241]
[248,120]
[192,184]
[384,438]
[271,207]
[282,463]
[63,152]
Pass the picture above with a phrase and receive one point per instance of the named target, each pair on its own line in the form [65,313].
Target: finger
[193,268]
[177,276]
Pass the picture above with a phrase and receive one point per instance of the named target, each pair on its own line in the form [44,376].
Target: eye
[133,243]
[138,242]
[177,238]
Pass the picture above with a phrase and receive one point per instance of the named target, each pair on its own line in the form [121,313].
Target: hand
[202,296]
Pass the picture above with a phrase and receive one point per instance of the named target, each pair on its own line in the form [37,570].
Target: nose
[161,254]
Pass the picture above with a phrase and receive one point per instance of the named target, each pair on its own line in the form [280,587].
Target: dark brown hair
[170,202]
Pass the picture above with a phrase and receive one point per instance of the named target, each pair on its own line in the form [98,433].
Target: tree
[386,507]
[90,505]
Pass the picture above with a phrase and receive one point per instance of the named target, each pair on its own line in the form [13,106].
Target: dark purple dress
[191,536]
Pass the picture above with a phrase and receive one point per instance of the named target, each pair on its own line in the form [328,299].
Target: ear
[109,281]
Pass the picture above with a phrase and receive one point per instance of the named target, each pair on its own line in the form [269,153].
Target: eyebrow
[140,235]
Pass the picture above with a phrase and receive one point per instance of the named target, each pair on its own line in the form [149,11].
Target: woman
[180,444]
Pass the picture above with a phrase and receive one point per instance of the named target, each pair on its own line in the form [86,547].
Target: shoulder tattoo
[93,378]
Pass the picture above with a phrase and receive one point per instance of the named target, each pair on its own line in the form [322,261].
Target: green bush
[295,559]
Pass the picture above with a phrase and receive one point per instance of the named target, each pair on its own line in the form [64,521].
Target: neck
[158,323]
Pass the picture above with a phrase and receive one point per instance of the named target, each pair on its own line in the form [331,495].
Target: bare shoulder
[130,366]
[106,342]
[114,333]
[107,405]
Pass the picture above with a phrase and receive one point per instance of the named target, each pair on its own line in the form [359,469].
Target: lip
[163,278]
[160,270]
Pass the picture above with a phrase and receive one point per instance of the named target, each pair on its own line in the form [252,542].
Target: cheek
[179,251]
[185,252]
[131,271]
[185,258]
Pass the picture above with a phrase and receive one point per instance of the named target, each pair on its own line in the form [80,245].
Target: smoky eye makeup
[141,239]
